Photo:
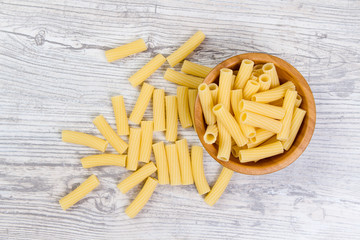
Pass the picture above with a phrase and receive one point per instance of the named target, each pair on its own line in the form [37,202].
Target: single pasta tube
[188,47]
[298,101]
[262,109]
[198,170]
[224,149]
[103,160]
[195,69]
[136,177]
[171,118]
[206,104]
[250,89]
[270,69]
[211,134]
[265,82]
[258,153]
[192,99]
[246,67]
[183,106]
[121,119]
[260,121]
[146,71]
[288,106]
[261,136]
[141,103]
[182,79]
[125,50]
[134,149]
[184,161]
[84,139]
[161,162]
[159,110]
[173,163]
[225,82]
[220,185]
[214,89]
[147,128]
[296,121]
[109,134]
[142,198]
[81,191]
[273,94]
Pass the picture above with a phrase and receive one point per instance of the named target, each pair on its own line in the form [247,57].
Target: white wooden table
[53,76]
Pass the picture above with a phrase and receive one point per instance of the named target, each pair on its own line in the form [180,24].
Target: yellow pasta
[161,162]
[141,103]
[270,69]
[288,106]
[265,82]
[224,149]
[273,94]
[184,161]
[122,125]
[109,134]
[195,69]
[270,140]
[298,101]
[159,110]
[125,50]
[192,99]
[134,152]
[220,185]
[225,118]
[188,47]
[278,102]
[245,70]
[183,106]
[261,136]
[250,89]
[258,153]
[146,71]
[84,139]
[103,160]
[136,177]
[206,104]
[262,109]
[81,191]
[173,163]
[235,150]
[211,134]
[258,67]
[214,89]
[182,79]
[142,198]
[198,170]
[260,121]
[296,121]
[147,128]
[171,118]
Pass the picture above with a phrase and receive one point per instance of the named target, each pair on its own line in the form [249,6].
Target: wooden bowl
[286,72]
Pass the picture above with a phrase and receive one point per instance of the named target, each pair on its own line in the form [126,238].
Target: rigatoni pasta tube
[262,109]
[244,73]
[182,79]
[258,67]
[195,69]
[211,134]
[125,50]
[270,69]
[198,170]
[109,134]
[273,94]
[288,106]
[206,103]
[220,185]
[161,162]
[84,139]
[134,149]
[136,177]
[296,121]
[81,191]
[225,118]
[298,101]
[261,136]
[224,149]
[184,161]
[147,128]
[141,103]
[183,106]
[146,71]
[192,99]
[122,125]
[214,89]
[142,198]
[171,118]
[159,110]
[188,47]
[250,89]
[173,163]
[260,121]
[103,160]
[258,153]
[265,82]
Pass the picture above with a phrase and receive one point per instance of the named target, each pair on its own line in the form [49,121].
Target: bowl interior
[286,72]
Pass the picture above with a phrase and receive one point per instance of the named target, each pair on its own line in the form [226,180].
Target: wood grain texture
[54,76]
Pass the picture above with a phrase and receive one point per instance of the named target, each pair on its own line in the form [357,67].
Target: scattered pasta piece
[125,50]
[84,139]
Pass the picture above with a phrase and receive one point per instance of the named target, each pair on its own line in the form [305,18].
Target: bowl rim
[262,57]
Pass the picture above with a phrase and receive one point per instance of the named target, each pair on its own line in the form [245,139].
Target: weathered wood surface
[53,76]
